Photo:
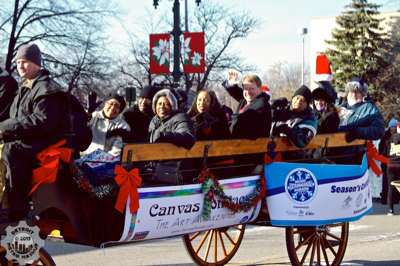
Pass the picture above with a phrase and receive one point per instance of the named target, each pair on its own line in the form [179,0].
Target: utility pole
[303,32]
[176,33]
[186,17]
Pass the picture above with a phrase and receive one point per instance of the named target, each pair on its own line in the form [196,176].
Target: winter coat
[176,129]
[384,144]
[8,90]
[38,118]
[300,127]
[100,126]
[38,114]
[364,119]
[252,121]
[208,126]
[328,122]
[139,123]
[360,121]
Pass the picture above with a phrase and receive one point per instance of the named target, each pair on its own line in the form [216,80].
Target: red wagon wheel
[216,246]
[44,259]
[317,245]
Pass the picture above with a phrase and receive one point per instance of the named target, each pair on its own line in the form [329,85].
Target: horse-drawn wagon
[313,201]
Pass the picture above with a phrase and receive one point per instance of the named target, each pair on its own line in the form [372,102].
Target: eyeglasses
[114,104]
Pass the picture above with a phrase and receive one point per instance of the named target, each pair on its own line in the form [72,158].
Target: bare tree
[222,27]
[69,33]
[284,78]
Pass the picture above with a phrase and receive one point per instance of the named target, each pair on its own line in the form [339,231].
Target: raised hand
[233,76]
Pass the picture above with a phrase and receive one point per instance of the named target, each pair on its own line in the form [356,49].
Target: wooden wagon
[210,238]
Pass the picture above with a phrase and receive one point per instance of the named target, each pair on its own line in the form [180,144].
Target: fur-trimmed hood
[170,96]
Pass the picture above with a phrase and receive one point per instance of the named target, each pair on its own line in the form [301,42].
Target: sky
[276,39]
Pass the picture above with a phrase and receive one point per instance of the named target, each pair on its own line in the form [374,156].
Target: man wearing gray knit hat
[29,61]
[30,52]
[38,118]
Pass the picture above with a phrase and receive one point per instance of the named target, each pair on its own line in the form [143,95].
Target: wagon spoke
[203,239]
[324,253]
[313,251]
[193,236]
[215,246]
[304,242]
[222,243]
[209,245]
[334,236]
[238,227]
[229,237]
[306,253]
[318,252]
[330,247]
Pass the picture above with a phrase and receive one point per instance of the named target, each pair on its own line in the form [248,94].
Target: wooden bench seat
[166,151]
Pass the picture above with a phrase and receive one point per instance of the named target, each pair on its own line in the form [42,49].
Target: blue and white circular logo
[301,185]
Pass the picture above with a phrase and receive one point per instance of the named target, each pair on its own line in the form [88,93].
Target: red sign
[323,68]
[159,53]
[193,52]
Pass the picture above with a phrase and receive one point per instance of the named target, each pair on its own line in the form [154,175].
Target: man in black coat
[389,146]
[252,118]
[139,116]
[38,118]
[8,90]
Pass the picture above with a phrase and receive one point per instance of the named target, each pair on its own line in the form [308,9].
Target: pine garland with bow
[211,188]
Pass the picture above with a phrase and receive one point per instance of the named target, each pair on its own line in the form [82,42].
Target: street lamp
[176,33]
[303,32]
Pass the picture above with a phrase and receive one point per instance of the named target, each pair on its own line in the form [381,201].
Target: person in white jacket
[108,127]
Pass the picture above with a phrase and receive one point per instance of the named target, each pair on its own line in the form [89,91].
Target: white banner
[176,210]
[317,194]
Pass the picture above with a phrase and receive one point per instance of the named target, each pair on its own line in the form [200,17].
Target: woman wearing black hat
[108,127]
[325,111]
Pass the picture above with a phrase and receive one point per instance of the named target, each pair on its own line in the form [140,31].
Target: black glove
[92,102]
[280,110]
[351,135]
[284,129]
[123,133]
[280,103]
[280,114]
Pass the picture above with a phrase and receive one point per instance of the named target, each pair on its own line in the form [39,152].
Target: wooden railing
[165,151]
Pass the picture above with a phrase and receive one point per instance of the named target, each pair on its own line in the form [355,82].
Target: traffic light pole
[176,33]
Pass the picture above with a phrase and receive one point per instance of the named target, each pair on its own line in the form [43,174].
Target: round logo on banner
[22,243]
[301,185]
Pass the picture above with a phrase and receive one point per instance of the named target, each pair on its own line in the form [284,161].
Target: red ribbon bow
[49,160]
[128,183]
[268,159]
[372,155]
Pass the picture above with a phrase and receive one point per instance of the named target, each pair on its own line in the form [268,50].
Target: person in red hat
[323,68]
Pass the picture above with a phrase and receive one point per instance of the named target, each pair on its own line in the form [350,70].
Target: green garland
[211,188]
